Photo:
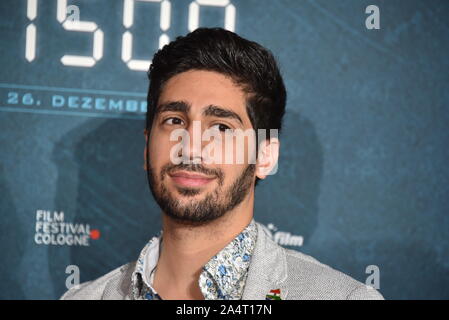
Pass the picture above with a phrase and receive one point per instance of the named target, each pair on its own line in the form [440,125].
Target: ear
[145,133]
[267,159]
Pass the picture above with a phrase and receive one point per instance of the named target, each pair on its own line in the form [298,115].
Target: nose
[191,151]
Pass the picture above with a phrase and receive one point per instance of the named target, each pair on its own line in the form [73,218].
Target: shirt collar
[223,276]
[228,268]
[145,265]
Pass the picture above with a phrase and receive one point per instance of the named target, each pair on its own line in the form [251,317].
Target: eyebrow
[210,110]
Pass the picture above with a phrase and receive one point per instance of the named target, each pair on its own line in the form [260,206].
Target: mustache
[194,167]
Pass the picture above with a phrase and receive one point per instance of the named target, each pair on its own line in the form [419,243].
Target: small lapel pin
[274,294]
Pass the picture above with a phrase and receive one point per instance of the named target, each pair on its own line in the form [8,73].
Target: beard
[213,205]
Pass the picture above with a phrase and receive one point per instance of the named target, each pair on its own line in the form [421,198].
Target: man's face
[196,192]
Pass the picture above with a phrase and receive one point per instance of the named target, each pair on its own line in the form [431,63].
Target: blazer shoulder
[113,285]
[309,278]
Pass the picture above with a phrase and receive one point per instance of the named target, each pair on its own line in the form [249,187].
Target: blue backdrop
[363,174]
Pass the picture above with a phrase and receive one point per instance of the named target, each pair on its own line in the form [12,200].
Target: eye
[221,127]
[173,121]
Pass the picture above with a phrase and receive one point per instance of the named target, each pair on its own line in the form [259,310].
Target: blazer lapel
[267,270]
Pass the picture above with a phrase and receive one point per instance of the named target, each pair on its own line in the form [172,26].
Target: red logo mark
[95,234]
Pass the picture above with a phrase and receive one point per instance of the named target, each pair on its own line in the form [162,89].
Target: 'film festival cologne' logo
[51,229]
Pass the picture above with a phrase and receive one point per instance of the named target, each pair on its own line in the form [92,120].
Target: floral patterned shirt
[223,277]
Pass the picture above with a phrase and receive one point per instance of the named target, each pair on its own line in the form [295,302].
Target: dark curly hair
[251,66]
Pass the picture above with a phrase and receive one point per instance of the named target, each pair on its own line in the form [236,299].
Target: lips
[188,179]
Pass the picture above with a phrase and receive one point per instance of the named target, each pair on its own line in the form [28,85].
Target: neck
[187,248]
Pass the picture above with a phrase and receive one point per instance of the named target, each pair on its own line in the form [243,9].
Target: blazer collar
[268,268]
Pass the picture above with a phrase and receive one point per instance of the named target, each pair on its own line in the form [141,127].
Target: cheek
[157,152]
[161,148]
[240,151]
[229,150]
[231,172]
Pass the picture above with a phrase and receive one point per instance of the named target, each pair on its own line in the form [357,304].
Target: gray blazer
[297,275]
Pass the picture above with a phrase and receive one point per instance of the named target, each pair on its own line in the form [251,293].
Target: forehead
[201,88]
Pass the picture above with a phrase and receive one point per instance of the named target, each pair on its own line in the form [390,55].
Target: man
[212,83]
